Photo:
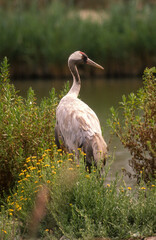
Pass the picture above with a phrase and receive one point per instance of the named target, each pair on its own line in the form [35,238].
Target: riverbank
[38,41]
[132,68]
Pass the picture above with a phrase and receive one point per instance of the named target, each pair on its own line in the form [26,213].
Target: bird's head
[79,57]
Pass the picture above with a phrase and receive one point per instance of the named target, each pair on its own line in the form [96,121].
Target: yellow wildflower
[69,159]
[70,168]
[59,161]
[108,185]
[87,176]
[21,174]
[33,168]
[11,210]
[19,208]
[47,165]
[59,150]
[47,150]
[143,188]
[153,185]
[129,188]
[46,230]
[4,231]
[48,181]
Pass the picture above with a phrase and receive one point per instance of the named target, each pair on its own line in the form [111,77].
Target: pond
[100,95]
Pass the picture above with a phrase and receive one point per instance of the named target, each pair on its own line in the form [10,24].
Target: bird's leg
[57,138]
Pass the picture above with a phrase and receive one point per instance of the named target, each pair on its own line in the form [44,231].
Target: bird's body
[77,126]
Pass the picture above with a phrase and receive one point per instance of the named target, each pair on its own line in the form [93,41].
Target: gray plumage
[77,126]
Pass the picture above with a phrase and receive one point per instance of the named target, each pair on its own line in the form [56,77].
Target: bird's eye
[84,57]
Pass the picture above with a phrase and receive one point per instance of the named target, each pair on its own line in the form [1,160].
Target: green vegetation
[137,129]
[37,40]
[80,206]
[51,195]
[26,128]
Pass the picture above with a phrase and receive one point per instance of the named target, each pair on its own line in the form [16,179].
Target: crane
[77,125]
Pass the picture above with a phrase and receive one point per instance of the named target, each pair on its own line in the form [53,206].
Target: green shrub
[136,129]
[26,129]
[80,205]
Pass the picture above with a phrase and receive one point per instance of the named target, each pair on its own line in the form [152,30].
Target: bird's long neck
[75,89]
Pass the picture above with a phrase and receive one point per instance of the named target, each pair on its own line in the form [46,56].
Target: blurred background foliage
[91,4]
[38,36]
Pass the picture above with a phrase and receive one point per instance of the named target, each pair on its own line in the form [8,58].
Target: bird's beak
[92,63]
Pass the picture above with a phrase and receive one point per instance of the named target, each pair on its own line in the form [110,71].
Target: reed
[41,38]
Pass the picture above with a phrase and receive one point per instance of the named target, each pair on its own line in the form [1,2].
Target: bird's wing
[76,121]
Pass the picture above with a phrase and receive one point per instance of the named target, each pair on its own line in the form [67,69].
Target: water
[100,95]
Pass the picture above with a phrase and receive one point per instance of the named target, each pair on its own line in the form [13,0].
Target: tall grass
[40,38]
